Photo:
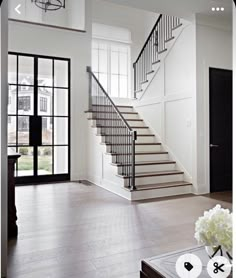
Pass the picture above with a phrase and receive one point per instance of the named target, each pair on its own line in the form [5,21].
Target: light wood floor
[74,230]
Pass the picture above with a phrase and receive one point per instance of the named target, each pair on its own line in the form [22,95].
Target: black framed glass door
[39,117]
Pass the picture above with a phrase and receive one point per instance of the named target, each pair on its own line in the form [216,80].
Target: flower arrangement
[214,229]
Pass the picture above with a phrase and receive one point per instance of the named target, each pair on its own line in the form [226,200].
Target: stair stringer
[176,33]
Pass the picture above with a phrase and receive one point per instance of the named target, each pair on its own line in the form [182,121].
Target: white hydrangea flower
[214,228]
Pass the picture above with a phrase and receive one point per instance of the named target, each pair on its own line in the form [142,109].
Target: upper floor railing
[113,126]
[153,47]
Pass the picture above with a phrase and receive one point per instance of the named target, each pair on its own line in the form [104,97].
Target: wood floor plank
[75,230]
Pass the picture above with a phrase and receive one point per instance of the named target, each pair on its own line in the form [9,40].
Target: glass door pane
[61,98]
[12,68]
[60,160]
[45,69]
[12,130]
[44,161]
[61,73]
[26,70]
[39,116]
[25,165]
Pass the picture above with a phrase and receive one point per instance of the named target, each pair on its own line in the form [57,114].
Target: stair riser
[138,130]
[161,192]
[103,115]
[151,157]
[146,139]
[147,148]
[150,168]
[154,157]
[142,130]
[139,139]
[156,179]
[121,109]
[110,122]
[131,116]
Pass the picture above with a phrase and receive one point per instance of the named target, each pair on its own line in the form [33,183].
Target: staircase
[166,29]
[135,165]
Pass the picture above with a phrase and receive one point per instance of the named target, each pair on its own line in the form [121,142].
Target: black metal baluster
[113,126]
[112,130]
[125,156]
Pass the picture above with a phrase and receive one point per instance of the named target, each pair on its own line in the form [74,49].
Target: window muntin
[111,64]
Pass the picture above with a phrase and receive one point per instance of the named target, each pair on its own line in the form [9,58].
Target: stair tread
[162,51]
[141,153]
[140,163]
[104,105]
[156,173]
[134,127]
[139,135]
[156,62]
[162,185]
[137,144]
[170,39]
[132,113]
[176,27]
[110,119]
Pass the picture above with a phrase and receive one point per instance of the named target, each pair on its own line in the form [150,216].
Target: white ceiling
[180,8]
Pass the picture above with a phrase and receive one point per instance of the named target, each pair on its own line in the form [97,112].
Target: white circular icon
[219,267]
[188,266]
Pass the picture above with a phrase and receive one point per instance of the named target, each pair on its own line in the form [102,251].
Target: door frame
[209,123]
[55,177]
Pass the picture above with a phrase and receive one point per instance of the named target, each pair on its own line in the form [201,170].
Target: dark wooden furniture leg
[12,216]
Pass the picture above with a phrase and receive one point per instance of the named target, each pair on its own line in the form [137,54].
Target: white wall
[3,134]
[139,22]
[176,104]
[77,47]
[167,106]
[214,49]
[70,17]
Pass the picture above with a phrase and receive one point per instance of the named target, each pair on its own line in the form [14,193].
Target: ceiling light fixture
[217,9]
[222,9]
[49,5]
[213,9]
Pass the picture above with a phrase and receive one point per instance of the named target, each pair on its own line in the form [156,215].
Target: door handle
[214,146]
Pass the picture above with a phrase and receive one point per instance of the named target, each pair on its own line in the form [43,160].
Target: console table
[163,266]
[12,217]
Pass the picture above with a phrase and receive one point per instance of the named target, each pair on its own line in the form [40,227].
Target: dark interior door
[220,130]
